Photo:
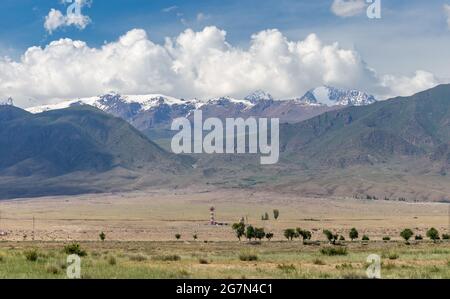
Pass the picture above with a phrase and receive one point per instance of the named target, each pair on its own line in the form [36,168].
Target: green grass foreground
[224,260]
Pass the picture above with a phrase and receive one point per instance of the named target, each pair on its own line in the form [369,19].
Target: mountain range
[398,148]
[155,111]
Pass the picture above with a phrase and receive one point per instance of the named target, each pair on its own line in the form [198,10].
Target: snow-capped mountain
[258,96]
[158,111]
[7,102]
[331,96]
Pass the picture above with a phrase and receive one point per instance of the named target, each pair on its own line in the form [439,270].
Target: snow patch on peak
[331,96]
[259,95]
[8,102]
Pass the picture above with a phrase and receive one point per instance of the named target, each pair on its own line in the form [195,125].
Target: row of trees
[276,215]
[432,234]
[250,232]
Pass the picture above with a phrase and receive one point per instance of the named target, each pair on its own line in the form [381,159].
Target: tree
[260,233]
[406,234]
[250,233]
[353,234]
[332,238]
[239,229]
[290,234]
[195,237]
[178,236]
[433,234]
[276,214]
[102,236]
[266,216]
[269,236]
[305,234]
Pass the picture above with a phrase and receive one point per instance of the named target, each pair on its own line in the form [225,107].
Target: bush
[445,237]
[102,236]
[52,269]
[74,248]
[365,238]
[290,234]
[332,251]
[418,237]
[406,234]
[318,262]
[386,238]
[137,258]
[353,234]
[203,261]
[269,236]
[287,268]
[393,256]
[178,236]
[31,255]
[331,237]
[433,234]
[167,258]
[248,257]
[276,214]
[112,261]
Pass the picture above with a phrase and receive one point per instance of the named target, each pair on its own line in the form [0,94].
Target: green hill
[70,142]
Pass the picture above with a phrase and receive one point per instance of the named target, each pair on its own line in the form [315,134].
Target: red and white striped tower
[213,216]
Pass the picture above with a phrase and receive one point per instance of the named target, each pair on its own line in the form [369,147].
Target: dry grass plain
[140,228]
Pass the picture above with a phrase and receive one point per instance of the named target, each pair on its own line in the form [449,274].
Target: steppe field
[140,231]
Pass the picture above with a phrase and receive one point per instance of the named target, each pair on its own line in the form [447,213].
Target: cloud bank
[348,8]
[194,64]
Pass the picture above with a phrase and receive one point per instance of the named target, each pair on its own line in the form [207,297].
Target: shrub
[287,268]
[305,234]
[203,261]
[353,234]
[102,236]
[318,262]
[341,238]
[74,248]
[259,233]
[445,237]
[248,257]
[332,251]
[52,269]
[178,236]
[386,238]
[269,236]
[195,237]
[276,214]
[406,234]
[365,238]
[137,258]
[112,261]
[31,255]
[167,258]
[393,256]
[418,237]
[332,238]
[290,234]
[433,234]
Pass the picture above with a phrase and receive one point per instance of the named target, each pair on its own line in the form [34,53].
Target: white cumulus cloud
[194,64]
[56,19]
[348,8]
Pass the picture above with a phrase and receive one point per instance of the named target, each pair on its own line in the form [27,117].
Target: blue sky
[411,35]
